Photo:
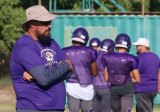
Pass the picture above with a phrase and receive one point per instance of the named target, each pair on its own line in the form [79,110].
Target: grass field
[7,98]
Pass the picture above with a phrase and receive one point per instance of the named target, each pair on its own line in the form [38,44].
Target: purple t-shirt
[27,54]
[81,58]
[120,63]
[99,81]
[149,64]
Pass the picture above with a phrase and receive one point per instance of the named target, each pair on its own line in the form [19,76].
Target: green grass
[9,107]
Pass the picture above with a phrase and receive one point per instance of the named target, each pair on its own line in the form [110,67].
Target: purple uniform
[149,64]
[120,64]
[81,57]
[99,81]
[29,55]
[102,96]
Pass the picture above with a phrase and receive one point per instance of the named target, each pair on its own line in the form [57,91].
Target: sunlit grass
[9,107]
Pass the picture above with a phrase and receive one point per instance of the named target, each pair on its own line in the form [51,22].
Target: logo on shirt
[49,55]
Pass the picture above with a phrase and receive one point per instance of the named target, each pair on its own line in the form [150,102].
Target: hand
[159,89]
[27,76]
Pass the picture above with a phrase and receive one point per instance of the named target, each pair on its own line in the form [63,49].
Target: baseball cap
[39,13]
[142,41]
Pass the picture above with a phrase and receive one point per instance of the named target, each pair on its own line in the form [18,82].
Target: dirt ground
[7,99]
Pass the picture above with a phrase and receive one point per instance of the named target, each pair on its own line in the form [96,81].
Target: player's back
[120,63]
[81,58]
[119,66]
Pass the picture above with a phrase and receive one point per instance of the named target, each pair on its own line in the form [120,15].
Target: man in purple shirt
[39,55]
[102,97]
[118,66]
[149,68]
[79,86]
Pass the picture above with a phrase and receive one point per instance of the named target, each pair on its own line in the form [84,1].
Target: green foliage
[124,3]
[128,5]
[136,5]
[155,5]
[11,17]
[77,6]
[69,4]
[27,3]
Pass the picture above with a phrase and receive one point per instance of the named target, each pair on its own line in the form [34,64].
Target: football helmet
[107,45]
[94,42]
[123,40]
[80,35]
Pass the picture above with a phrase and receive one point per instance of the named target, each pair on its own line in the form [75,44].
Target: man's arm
[33,63]
[94,68]
[45,76]
[135,76]
[105,74]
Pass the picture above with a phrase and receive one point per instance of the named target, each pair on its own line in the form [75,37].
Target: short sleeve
[60,54]
[28,57]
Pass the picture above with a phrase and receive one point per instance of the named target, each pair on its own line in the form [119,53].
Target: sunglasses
[45,23]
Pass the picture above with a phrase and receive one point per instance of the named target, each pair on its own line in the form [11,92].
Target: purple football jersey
[120,63]
[81,58]
[26,55]
[149,64]
[99,81]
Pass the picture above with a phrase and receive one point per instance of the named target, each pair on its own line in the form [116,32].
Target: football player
[79,86]
[118,67]
[101,100]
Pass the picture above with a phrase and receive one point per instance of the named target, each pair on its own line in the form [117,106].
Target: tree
[137,5]
[128,5]
[154,5]
[11,17]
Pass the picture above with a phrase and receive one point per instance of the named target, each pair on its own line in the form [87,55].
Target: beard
[44,39]
[137,53]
